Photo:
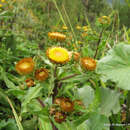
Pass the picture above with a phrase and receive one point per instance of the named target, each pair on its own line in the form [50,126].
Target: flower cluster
[26,66]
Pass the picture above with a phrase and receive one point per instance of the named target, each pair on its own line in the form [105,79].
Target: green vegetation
[64,65]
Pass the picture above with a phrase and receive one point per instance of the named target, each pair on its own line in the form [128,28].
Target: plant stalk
[98,43]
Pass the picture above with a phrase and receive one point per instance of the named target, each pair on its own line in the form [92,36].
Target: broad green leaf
[44,123]
[97,122]
[32,93]
[109,101]
[116,66]
[86,94]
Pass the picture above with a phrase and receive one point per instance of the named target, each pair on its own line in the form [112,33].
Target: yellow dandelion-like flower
[58,55]
[1,5]
[64,27]
[2,1]
[78,27]
[25,66]
[88,63]
[104,20]
[56,36]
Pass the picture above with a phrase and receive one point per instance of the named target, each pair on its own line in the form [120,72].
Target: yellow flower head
[64,27]
[85,28]
[25,66]
[78,27]
[1,5]
[88,63]
[104,20]
[58,55]
[56,36]
[2,1]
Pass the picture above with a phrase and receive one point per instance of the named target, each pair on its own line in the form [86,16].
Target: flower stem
[98,43]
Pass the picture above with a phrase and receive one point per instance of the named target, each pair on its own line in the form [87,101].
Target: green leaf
[86,94]
[83,126]
[109,101]
[17,93]
[97,122]
[29,124]
[34,106]
[116,66]
[80,120]
[32,93]
[44,123]
[8,125]
[8,83]
[3,100]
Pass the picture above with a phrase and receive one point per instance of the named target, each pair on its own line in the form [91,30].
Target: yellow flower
[56,36]
[1,5]
[104,20]
[58,55]
[25,66]
[2,1]
[88,63]
[64,27]
[78,27]
[85,28]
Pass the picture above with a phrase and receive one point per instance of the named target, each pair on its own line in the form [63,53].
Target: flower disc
[25,66]
[88,63]
[58,55]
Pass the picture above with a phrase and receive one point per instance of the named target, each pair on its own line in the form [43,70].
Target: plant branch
[55,89]
[98,43]
[40,101]
[68,77]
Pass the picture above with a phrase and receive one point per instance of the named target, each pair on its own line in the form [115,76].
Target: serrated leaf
[116,66]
